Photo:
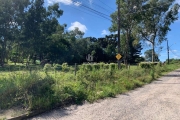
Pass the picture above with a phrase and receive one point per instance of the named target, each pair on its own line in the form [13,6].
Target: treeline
[29,31]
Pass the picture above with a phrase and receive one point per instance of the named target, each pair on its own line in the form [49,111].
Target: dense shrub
[28,90]
[99,66]
[148,65]
[96,66]
[106,66]
[58,67]
[102,65]
[47,67]
[112,66]
[35,90]
[65,67]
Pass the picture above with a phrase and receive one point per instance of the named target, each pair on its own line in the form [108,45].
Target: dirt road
[159,100]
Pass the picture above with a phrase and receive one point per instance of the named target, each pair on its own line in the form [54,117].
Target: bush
[65,67]
[148,65]
[96,66]
[47,67]
[106,66]
[28,90]
[112,66]
[102,65]
[123,66]
[58,67]
[88,67]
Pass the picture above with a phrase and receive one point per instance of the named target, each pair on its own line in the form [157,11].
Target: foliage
[26,88]
[148,65]
[65,67]
[155,21]
[36,91]
[148,56]
[127,20]
[58,67]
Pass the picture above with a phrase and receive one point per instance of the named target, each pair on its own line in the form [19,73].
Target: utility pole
[168,51]
[119,63]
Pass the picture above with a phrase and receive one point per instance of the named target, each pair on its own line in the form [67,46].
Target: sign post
[118,57]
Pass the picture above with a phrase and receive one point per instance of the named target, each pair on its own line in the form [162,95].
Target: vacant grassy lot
[37,88]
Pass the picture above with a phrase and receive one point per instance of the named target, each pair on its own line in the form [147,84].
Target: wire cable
[100,7]
[94,11]
[107,5]
[89,13]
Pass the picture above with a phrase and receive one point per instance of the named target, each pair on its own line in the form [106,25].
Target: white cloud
[174,50]
[176,57]
[105,32]
[77,24]
[66,2]
[77,3]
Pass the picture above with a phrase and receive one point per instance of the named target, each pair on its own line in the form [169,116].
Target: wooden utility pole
[119,63]
[168,51]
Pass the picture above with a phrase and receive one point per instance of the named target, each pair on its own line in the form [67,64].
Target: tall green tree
[148,56]
[156,16]
[40,23]
[11,15]
[127,21]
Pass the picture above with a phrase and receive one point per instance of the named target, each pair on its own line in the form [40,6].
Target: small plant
[152,73]
[148,65]
[102,65]
[65,67]
[47,67]
[112,66]
[58,67]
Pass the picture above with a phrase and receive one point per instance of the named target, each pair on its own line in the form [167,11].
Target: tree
[155,18]
[57,47]
[105,49]
[148,56]
[11,15]
[39,24]
[134,50]
[127,21]
[78,46]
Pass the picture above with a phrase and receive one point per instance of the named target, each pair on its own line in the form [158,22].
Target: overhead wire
[174,53]
[93,10]
[89,13]
[107,5]
[101,14]
[103,8]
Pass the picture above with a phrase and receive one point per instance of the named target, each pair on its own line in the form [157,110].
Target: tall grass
[46,88]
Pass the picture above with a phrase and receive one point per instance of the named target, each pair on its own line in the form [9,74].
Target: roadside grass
[40,89]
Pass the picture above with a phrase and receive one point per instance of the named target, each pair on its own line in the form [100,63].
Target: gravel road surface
[159,100]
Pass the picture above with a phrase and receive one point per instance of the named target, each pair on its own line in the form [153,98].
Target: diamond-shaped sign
[118,56]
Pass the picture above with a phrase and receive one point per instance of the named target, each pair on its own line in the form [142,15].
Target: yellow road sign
[118,56]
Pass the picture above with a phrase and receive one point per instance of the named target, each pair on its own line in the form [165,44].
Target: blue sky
[78,15]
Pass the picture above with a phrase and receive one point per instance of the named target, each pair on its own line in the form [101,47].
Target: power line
[99,6]
[174,53]
[89,13]
[99,14]
[107,5]
[94,11]
[103,15]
